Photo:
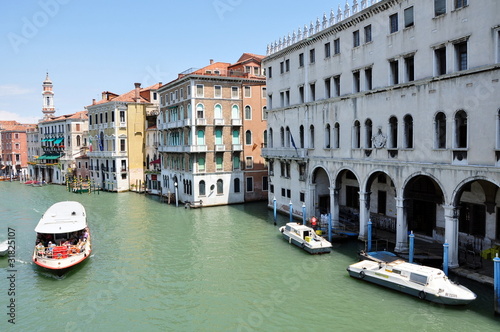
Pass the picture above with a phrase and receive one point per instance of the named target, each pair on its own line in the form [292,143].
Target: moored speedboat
[63,237]
[4,247]
[422,281]
[306,238]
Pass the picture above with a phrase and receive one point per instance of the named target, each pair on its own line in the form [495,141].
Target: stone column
[364,214]
[451,234]
[334,206]
[401,227]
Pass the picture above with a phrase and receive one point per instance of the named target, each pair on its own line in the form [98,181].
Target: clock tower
[48,109]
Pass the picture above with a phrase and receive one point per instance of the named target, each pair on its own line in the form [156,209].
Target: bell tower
[48,109]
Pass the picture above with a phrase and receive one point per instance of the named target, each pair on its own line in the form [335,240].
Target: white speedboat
[422,281]
[63,236]
[306,238]
[4,247]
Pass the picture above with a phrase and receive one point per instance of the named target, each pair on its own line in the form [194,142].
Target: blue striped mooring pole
[291,211]
[274,209]
[445,257]
[496,267]
[412,246]
[303,213]
[369,244]
[329,227]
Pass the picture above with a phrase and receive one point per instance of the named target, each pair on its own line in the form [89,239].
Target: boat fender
[361,274]
[282,230]
[421,295]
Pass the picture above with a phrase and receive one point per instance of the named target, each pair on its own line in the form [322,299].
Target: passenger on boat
[40,249]
[50,248]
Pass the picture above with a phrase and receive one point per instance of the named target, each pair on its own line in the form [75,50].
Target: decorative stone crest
[379,139]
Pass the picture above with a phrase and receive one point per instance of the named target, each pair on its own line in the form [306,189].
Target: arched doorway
[321,181]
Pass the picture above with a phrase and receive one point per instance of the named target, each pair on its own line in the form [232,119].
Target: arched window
[393,133]
[236,136]
[408,132]
[328,137]
[220,187]
[311,137]
[336,136]
[288,137]
[236,162]
[201,164]
[282,137]
[201,137]
[181,112]
[218,136]
[301,136]
[200,111]
[368,134]
[271,144]
[248,113]
[237,188]
[235,112]
[202,189]
[78,140]
[356,135]
[461,129]
[265,138]
[218,111]
[248,137]
[189,115]
[440,130]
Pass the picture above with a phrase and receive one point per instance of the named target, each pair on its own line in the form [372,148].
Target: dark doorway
[324,204]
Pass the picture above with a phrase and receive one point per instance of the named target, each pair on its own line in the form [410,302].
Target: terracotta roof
[77,115]
[247,56]
[128,97]
[9,125]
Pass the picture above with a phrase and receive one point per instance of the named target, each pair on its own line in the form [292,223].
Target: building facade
[202,138]
[117,125]
[388,111]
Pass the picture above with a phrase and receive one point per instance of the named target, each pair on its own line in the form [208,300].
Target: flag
[254,146]
[293,144]
[90,144]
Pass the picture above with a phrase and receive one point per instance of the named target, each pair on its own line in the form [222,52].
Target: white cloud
[12,90]
[9,116]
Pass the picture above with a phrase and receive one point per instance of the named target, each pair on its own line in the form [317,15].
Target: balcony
[196,148]
[237,147]
[218,122]
[286,153]
[201,122]
[220,147]
[236,122]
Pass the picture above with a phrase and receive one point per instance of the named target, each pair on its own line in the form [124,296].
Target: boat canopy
[63,217]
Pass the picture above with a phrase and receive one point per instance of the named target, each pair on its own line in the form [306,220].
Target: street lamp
[176,201]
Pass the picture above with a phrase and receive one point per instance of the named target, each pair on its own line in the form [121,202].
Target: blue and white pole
[329,227]
[369,243]
[304,213]
[445,257]
[412,246]
[496,269]
[274,209]
[291,211]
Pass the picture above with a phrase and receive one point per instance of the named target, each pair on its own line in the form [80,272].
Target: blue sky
[93,46]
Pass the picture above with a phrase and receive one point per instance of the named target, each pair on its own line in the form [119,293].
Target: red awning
[157,161]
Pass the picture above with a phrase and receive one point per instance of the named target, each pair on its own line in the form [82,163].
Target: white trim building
[389,111]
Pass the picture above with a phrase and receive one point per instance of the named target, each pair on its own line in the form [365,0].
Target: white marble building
[389,111]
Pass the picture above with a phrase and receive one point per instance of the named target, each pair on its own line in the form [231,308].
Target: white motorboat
[63,236]
[418,280]
[4,247]
[306,238]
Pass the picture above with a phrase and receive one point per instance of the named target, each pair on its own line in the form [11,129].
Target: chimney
[211,61]
[137,91]
[93,101]
[104,95]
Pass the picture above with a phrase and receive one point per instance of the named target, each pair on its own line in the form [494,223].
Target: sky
[92,46]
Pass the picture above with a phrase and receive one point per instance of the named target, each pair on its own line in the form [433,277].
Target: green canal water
[155,267]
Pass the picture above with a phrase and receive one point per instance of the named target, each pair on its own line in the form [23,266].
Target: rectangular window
[368,33]
[256,71]
[410,68]
[234,92]
[122,145]
[269,72]
[336,46]
[409,17]
[302,197]
[283,192]
[352,197]
[355,38]
[328,87]
[282,67]
[249,184]
[394,68]
[270,101]
[265,183]
[368,79]
[217,91]
[461,56]
[440,56]
[248,92]
[336,85]
[264,92]
[287,65]
[248,162]
[355,82]
[282,99]
[439,7]
[327,50]
[301,94]
[312,88]
[301,60]
[393,23]
[199,91]
[219,163]
[312,56]
[460,3]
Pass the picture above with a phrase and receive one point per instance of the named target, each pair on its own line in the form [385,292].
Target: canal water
[155,267]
